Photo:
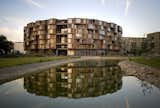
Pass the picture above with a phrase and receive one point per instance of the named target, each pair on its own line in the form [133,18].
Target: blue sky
[137,17]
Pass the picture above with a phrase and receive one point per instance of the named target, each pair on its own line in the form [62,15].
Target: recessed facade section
[72,37]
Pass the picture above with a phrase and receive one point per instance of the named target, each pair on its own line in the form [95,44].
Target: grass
[150,61]
[6,62]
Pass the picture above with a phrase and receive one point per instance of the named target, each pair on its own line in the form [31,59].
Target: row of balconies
[72,91]
[38,23]
[39,28]
[40,37]
[77,36]
[41,41]
[91,23]
[82,42]
[41,46]
[86,21]
[51,27]
[52,31]
[107,29]
[94,36]
[69,30]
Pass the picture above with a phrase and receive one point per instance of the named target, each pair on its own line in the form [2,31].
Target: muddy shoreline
[143,72]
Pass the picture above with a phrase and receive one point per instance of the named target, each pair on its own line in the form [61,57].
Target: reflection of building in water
[74,80]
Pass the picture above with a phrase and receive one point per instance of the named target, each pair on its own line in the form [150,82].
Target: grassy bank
[150,61]
[6,62]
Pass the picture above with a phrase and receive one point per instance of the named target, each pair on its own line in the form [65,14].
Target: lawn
[150,61]
[6,62]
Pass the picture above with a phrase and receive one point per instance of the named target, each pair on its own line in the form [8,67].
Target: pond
[85,84]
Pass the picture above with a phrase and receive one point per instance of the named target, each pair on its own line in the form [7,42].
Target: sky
[137,17]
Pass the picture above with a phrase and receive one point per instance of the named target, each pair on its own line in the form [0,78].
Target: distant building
[153,42]
[133,45]
[148,45]
[19,47]
[72,36]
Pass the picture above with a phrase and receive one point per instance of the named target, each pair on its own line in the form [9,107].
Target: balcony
[78,21]
[64,31]
[61,22]
[51,31]
[51,21]
[61,46]
[91,26]
[101,32]
[78,36]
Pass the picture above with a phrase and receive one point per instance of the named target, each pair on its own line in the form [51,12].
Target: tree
[5,45]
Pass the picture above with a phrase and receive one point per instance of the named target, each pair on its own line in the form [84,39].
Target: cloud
[34,3]
[127,6]
[103,2]
[12,27]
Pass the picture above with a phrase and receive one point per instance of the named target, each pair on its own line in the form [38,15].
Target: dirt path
[20,70]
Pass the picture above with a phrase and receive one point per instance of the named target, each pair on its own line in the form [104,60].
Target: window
[78,20]
[152,38]
[100,22]
[69,21]
[91,26]
[69,35]
[101,37]
[69,30]
[84,21]
[152,45]
[89,36]
[104,41]
[102,27]
[78,40]
[108,29]
[112,25]
[69,41]
[102,32]
[78,35]
[69,45]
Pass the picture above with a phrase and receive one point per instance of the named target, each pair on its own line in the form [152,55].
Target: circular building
[72,37]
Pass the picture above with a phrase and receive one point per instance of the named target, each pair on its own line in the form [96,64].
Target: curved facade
[72,36]
[76,80]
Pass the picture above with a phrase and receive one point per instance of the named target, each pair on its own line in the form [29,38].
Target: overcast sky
[137,17]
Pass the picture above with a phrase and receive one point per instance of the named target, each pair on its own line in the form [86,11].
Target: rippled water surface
[86,84]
